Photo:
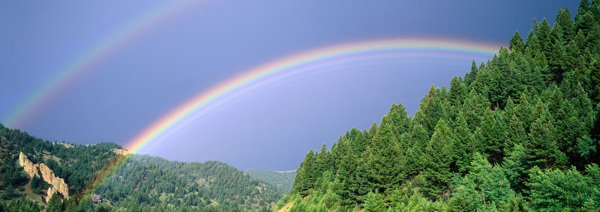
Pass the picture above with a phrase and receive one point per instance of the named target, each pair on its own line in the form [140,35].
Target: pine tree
[437,159]
[358,141]
[305,176]
[384,159]
[565,21]
[584,6]
[585,22]
[543,34]
[346,176]
[555,190]
[372,131]
[431,110]
[458,91]
[322,162]
[462,149]
[515,165]
[474,108]
[532,44]
[470,76]
[418,141]
[541,146]
[497,138]
[516,43]
[400,118]
[515,134]
[485,185]
[55,204]
[375,202]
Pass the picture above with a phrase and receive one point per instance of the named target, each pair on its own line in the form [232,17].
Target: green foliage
[557,190]
[149,183]
[193,185]
[384,158]
[437,157]
[37,184]
[516,43]
[484,185]
[282,180]
[375,202]
[515,135]
[55,204]
[20,205]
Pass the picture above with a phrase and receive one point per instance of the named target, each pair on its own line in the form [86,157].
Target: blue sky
[211,41]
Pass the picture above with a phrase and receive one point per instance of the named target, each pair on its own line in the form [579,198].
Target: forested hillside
[157,183]
[519,132]
[142,183]
[283,180]
[77,164]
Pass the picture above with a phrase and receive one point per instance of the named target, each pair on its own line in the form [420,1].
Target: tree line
[519,132]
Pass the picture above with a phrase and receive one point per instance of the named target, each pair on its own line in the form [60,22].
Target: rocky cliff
[45,173]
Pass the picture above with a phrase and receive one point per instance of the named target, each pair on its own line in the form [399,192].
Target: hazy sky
[157,67]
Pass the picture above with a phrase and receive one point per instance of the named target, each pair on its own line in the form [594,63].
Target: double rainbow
[294,67]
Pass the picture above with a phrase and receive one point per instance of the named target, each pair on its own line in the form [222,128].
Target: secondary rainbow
[86,61]
[296,65]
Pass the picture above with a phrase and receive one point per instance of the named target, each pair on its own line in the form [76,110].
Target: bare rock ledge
[45,173]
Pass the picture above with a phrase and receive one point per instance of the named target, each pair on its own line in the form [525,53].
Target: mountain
[283,180]
[105,177]
[519,132]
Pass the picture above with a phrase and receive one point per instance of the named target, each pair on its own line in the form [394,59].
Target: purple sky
[207,43]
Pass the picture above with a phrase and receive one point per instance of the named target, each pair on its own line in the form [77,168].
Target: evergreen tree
[541,146]
[555,190]
[346,177]
[463,145]
[530,110]
[399,117]
[458,91]
[515,134]
[437,159]
[515,165]
[375,202]
[494,135]
[418,141]
[543,34]
[55,204]
[565,21]
[431,110]
[9,193]
[470,76]
[305,178]
[485,185]
[384,159]
[516,43]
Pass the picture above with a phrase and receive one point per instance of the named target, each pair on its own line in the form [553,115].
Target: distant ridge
[283,180]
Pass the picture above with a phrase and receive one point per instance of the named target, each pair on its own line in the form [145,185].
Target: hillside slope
[143,182]
[283,180]
[519,132]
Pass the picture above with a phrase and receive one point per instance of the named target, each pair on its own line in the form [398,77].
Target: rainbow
[94,55]
[313,62]
[294,67]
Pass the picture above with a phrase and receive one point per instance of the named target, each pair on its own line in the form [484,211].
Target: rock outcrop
[45,173]
[49,194]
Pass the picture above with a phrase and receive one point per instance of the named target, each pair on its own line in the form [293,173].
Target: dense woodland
[519,132]
[283,181]
[157,183]
[142,183]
